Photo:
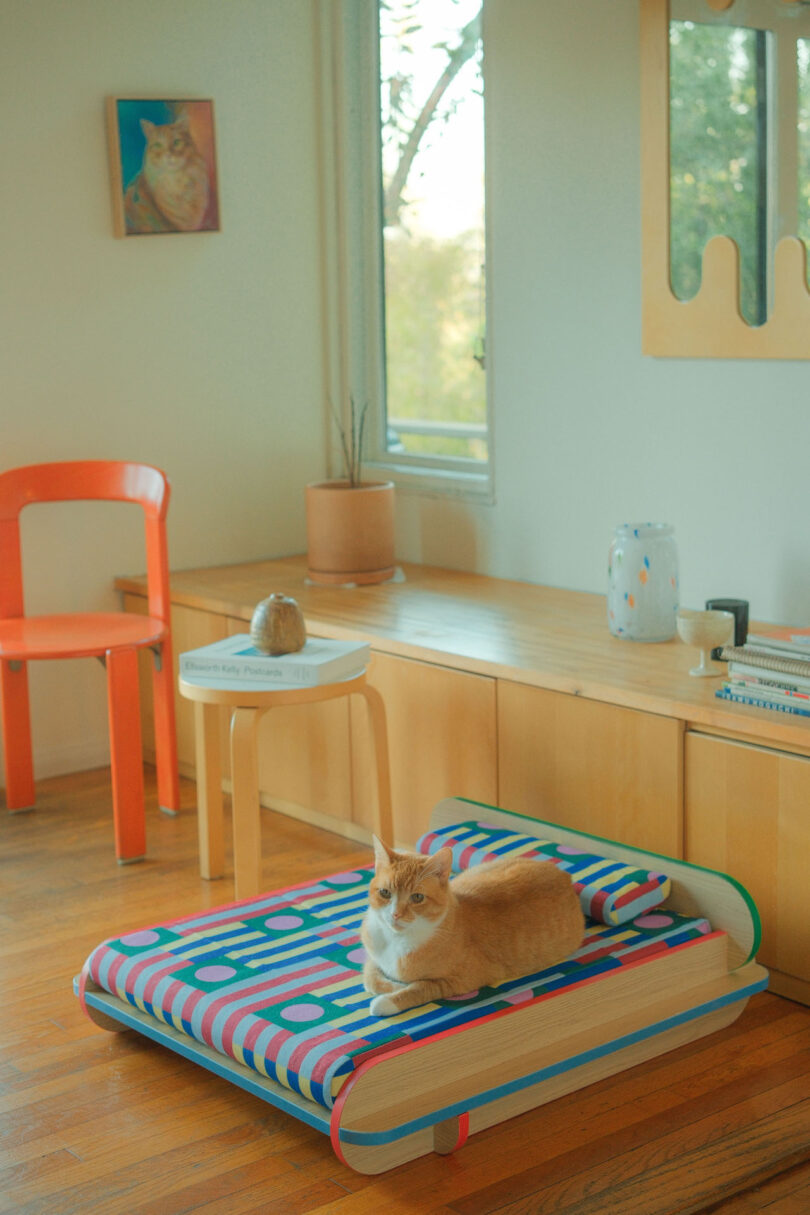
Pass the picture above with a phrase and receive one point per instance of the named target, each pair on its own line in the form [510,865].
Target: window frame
[353,259]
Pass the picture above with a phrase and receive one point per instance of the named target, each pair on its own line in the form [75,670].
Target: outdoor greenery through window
[432,125]
[718,149]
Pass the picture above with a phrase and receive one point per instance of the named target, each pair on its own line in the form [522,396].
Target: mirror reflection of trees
[803,67]
[718,155]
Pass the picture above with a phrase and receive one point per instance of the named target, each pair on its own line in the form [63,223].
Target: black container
[739,610]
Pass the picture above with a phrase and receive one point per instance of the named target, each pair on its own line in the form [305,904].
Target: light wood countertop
[538,635]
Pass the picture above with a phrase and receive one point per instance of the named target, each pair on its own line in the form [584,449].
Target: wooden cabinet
[592,766]
[517,695]
[316,761]
[441,739]
[748,814]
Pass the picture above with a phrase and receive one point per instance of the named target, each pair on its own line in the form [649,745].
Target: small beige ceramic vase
[277,626]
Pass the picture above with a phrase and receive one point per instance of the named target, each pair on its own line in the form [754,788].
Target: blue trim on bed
[118,1011]
[188,1049]
[555,1069]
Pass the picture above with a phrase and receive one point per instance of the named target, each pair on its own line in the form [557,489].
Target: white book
[322,660]
[766,675]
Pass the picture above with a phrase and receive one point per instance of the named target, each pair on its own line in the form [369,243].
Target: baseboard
[61,761]
[788,986]
[302,814]
[315,818]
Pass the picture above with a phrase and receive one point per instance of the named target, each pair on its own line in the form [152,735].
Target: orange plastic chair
[115,637]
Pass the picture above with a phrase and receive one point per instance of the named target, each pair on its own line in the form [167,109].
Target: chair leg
[163,683]
[17,736]
[125,754]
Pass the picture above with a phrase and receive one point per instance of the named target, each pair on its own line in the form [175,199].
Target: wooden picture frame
[163,170]
[710,324]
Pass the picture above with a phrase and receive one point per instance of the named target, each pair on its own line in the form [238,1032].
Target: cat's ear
[182,119]
[147,127]
[382,853]
[441,863]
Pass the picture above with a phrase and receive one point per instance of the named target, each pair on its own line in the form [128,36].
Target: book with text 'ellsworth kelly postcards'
[322,660]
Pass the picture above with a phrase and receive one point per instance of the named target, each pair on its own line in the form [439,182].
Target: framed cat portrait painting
[162,166]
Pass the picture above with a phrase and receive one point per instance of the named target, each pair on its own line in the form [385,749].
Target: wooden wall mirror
[725,178]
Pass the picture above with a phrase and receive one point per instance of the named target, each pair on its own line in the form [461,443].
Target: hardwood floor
[111,1124]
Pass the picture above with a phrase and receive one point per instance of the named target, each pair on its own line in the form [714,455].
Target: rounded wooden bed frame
[478,1074]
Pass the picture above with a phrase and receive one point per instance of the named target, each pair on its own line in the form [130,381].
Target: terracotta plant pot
[350,531]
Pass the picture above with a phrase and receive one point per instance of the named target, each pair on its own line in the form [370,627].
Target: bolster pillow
[608,890]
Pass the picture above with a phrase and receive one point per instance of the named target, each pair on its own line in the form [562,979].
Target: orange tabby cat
[170,193]
[429,937]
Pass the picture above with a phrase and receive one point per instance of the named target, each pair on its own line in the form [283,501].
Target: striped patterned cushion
[276,982]
[609,890]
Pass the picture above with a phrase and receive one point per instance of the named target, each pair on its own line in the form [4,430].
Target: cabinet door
[190,628]
[304,754]
[595,767]
[441,741]
[747,815]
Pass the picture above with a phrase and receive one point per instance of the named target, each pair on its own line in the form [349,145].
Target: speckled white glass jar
[642,597]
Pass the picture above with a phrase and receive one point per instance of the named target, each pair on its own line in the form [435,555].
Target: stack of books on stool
[235,662]
[771,671]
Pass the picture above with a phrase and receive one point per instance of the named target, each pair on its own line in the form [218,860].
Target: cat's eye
[417,897]
[383,892]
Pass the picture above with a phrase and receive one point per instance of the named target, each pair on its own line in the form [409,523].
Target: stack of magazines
[772,670]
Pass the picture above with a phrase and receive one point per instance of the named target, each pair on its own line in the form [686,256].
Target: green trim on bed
[601,839]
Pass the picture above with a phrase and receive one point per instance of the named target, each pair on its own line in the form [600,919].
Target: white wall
[588,433]
[199,352]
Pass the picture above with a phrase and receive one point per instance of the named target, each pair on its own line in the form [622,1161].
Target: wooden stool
[248,705]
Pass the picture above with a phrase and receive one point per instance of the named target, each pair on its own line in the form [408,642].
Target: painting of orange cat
[164,167]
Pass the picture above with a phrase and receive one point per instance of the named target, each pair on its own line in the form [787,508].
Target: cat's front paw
[383,1006]
[375,982]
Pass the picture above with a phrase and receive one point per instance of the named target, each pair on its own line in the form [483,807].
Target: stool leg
[379,734]
[247,841]
[168,779]
[125,754]
[17,736]
[209,790]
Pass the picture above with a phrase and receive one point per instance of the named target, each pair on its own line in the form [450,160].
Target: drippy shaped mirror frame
[711,324]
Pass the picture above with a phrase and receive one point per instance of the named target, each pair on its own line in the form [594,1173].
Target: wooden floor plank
[111,1123]
[786,1194]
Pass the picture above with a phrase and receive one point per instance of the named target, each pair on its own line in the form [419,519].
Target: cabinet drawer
[595,767]
[748,814]
[441,739]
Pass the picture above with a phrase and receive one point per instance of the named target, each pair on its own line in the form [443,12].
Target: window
[406,289]
[432,126]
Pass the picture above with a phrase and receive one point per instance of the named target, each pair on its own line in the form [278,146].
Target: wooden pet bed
[267,993]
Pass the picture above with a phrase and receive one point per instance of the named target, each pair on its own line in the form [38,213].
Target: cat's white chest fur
[388,945]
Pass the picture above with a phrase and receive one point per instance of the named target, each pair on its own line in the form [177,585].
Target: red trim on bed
[463,1131]
[83,977]
[401,1048]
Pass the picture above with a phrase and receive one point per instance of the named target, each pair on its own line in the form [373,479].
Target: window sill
[436,483]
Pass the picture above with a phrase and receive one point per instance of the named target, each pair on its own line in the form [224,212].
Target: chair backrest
[84,480]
